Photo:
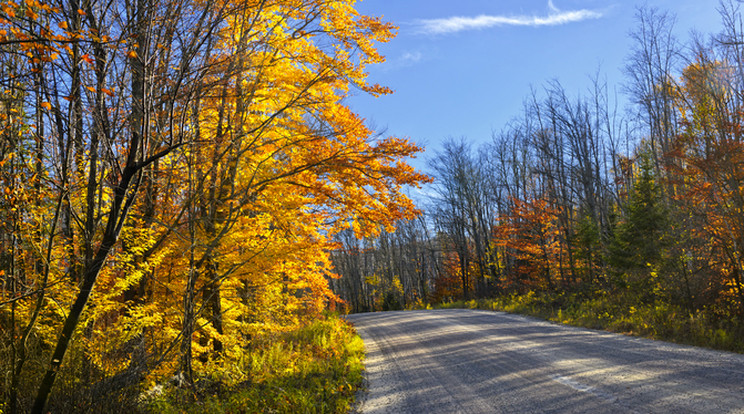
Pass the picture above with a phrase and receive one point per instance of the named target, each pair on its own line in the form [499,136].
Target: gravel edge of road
[360,397]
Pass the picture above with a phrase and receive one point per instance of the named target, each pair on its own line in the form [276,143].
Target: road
[470,361]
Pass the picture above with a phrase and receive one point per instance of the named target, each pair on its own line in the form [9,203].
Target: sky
[463,68]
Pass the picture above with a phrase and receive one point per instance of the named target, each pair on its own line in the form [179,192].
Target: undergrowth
[315,369]
[612,313]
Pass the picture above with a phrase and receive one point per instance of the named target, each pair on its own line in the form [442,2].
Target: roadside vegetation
[657,321]
[314,369]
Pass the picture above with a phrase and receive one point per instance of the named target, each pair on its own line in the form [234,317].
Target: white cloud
[458,24]
[552,7]
[407,59]
[411,57]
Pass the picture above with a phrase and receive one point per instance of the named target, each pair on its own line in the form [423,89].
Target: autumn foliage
[173,173]
[532,234]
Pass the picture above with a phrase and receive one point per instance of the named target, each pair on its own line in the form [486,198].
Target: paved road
[468,361]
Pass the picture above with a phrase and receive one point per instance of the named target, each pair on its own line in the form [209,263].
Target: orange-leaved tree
[709,154]
[195,160]
[531,234]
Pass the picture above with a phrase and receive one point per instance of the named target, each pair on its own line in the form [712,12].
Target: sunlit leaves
[227,120]
[531,232]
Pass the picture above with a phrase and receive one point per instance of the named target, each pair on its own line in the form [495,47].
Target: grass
[315,369]
[615,314]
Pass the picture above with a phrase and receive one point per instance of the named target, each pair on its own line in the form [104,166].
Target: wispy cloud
[552,7]
[456,24]
[407,59]
[410,58]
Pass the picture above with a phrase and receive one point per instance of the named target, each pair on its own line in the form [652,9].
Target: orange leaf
[86,57]
[46,105]
[132,54]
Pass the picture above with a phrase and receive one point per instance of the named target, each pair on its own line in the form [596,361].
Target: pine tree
[636,251]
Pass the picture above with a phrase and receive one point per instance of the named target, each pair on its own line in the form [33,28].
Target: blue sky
[464,68]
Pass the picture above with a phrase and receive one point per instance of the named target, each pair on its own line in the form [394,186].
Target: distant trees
[464,212]
[569,197]
[388,272]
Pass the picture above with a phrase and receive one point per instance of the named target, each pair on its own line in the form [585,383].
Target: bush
[316,368]
[622,314]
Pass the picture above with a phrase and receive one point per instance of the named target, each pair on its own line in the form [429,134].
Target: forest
[627,218]
[187,200]
[173,176]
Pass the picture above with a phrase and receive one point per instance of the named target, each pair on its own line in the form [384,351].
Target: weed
[620,314]
[314,369]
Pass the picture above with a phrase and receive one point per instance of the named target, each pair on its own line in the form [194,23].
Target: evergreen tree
[637,248]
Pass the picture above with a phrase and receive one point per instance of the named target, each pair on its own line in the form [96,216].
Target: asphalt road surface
[469,361]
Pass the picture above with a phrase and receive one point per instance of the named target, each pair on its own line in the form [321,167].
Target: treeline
[172,175]
[575,196]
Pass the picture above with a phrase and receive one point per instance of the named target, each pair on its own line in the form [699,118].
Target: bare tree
[650,65]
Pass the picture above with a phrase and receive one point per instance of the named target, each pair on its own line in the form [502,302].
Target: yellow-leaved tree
[183,167]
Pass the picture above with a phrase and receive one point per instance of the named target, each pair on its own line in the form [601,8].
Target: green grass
[615,314]
[315,369]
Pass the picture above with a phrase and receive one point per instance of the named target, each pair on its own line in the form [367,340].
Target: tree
[531,234]
[637,249]
[651,83]
[709,154]
[464,210]
[195,160]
